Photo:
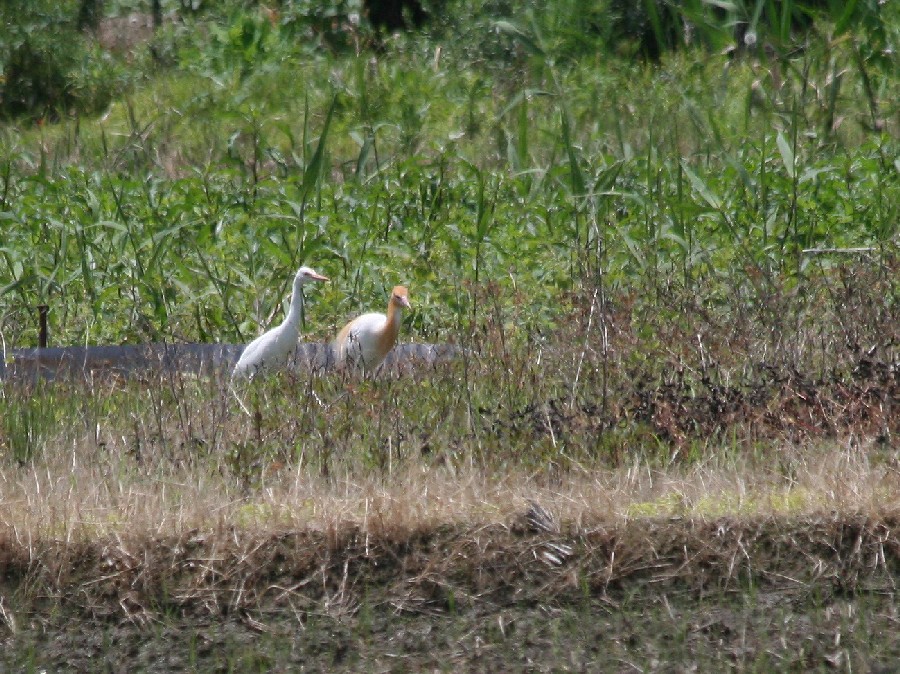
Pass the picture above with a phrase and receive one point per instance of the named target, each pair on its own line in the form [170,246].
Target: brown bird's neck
[393,313]
[392,327]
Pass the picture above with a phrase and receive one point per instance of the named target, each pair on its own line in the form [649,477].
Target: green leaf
[711,199]
[813,173]
[574,169]
[843,22]
[527,41]
[314,168]
[787,155]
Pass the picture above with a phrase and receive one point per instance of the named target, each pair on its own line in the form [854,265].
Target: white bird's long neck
[296,310]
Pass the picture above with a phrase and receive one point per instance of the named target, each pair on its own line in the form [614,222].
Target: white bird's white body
[273,348]
[366,340]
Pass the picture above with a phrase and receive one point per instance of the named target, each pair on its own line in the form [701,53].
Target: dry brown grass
[118,549]
[74,494]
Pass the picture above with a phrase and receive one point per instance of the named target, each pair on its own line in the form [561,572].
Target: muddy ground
[812,593]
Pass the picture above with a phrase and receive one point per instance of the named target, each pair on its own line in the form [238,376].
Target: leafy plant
[47,67]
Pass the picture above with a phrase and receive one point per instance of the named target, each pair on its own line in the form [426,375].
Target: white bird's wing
[264,351]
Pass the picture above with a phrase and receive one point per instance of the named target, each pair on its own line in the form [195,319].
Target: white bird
[273,348]
[367,339]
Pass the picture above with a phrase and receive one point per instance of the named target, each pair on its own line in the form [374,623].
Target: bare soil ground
[815,593]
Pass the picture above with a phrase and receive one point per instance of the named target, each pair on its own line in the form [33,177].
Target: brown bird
[367,339]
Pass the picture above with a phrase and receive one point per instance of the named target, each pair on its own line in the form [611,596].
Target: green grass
[180,213]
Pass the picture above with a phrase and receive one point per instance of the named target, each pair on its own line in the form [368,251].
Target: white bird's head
[305,274]
[400,297]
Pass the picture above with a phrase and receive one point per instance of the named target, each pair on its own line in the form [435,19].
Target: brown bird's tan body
[367,339]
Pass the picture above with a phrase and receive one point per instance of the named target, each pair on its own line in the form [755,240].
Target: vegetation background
[664,233]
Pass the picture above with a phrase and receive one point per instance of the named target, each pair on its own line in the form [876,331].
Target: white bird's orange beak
[317,277]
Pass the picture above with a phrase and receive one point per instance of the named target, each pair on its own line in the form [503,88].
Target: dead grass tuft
[235,572]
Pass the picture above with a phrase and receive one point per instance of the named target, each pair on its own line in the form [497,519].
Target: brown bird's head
[400,297]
